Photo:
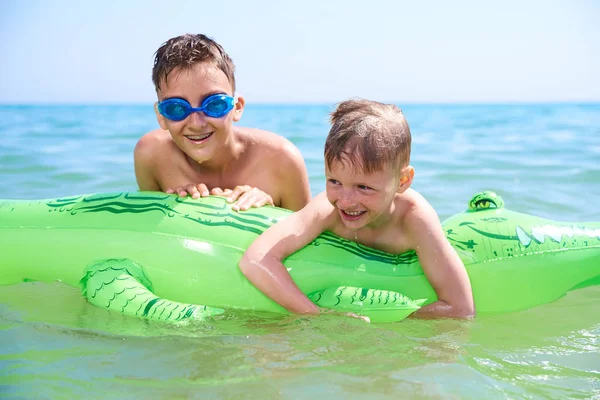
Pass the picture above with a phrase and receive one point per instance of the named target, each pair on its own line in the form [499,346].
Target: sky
[309,51]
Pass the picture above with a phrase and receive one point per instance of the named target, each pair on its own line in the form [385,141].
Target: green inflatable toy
[159,256]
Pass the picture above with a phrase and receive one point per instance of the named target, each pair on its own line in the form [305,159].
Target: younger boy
[198,151]
[368,200]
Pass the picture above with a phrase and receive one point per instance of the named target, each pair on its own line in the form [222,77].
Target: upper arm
[295,187]
[291,234]
[440,262]
[144,159]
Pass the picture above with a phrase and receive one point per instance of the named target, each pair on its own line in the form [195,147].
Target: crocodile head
[488,231]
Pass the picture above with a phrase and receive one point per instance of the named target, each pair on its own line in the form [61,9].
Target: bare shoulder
[151,153]
[152,144]
[320,209]
[320,206]
[418,219]
[279,165]
[412,206]
[271,145]
[279,153]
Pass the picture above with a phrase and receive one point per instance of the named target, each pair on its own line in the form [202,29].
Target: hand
[196,191]
[246,197]
[345,314]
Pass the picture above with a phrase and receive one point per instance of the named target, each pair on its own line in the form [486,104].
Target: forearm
[272,278]
[441,309]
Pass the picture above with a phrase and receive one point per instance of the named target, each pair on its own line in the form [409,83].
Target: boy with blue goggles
[212,156]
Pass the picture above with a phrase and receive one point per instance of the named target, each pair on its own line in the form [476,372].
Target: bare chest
[390,240]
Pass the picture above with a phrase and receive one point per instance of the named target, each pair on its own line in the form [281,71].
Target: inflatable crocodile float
[159,256]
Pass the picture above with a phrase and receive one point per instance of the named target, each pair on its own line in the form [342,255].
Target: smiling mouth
[199,138]
[352,215]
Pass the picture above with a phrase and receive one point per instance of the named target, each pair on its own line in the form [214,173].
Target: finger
[253,198]
[217,191]
[203,190]
[260,201]
[181,191]
[193,191]
[245,201]
[239,204]
[169,191]
[237,191]
[267,200]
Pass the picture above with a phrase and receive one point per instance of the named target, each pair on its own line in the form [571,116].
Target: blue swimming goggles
[214,106]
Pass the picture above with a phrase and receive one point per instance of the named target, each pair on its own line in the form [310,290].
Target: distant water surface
[542,159]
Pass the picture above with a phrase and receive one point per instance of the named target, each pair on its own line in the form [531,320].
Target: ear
[238,109]
[406,177]
[162,121]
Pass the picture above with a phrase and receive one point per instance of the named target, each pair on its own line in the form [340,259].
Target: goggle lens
[176,111]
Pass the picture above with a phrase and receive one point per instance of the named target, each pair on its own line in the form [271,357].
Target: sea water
[543,159]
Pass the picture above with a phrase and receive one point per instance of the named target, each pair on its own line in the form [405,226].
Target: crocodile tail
[121,285]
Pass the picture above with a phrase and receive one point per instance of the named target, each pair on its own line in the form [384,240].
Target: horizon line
[319,103]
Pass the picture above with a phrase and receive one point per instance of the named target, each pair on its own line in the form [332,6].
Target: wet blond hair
[369,135]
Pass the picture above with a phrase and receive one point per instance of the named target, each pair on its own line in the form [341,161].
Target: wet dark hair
[185,52]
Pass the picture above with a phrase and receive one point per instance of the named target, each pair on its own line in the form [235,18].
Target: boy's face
[198,135]
[361,198]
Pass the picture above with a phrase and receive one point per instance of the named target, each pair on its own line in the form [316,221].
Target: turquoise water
[543,159]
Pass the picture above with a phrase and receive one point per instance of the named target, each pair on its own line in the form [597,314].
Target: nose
[197,118]
[346,198]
